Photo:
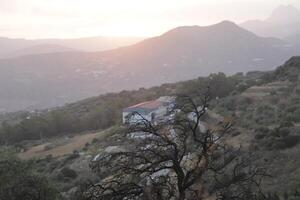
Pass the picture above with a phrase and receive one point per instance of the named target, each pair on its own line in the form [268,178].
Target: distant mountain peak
[285,9]
[282,23]
[226,23]
[285,14]
[221,26]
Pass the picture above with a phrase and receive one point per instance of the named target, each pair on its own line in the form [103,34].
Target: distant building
[153,111]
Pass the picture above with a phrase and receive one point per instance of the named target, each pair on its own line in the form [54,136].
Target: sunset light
[149,99]
[81,18]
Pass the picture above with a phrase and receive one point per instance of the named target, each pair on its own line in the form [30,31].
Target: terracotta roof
[149,104]
[145,107]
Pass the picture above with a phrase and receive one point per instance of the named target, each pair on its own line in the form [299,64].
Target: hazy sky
[79,18]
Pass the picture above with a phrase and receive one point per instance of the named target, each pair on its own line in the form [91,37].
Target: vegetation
[103,111]
[69,173]
[178,161]
[19,181]
[266,117]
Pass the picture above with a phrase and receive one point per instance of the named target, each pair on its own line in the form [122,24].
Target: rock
[114,149]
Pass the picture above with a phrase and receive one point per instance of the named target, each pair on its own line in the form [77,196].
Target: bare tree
[177,159]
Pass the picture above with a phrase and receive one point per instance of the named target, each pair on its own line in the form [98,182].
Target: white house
[151,110]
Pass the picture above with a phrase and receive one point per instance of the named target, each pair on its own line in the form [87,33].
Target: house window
[152,117]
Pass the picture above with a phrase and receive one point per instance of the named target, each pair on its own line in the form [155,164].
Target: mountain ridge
[38,49]
[181,54]
[88,44]
[284,14]
[283,22]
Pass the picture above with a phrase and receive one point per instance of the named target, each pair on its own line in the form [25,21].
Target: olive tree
[178,158]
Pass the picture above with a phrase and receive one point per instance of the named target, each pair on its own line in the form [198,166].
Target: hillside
[294,39]
[17,47]
[90,44]
[99,112]
[194,50]
[39,49]
[183,53]
[105,110]
[268,116]
[264,105]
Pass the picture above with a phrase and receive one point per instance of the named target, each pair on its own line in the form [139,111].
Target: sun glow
[79,18]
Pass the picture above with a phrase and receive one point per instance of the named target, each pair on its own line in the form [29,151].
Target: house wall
[159,113]
[124,117]
[136,118]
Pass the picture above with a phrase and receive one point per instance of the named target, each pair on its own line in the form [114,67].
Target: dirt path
[71,144]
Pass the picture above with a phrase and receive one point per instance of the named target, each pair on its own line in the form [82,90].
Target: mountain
[94,43]
[39,49]
[283,22]
[39,81]
[191,50]
[293,39]
[11,45]
[18,47]
[284,15]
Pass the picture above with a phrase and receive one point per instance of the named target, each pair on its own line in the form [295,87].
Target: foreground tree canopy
[18,181]
[178,159]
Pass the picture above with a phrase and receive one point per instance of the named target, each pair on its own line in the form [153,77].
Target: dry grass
[244,139]
[64,148]
[265,90]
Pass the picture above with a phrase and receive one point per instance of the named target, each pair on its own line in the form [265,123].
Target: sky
[33,19]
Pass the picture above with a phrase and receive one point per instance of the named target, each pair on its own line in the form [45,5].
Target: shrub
[286,123]
[18,181]
[262,130]
[283,132]
[283,143]
[69,173]
[95,140]
[49,158]
[291,141]
[259,136]
[236,133]
[74,155]
[49,147]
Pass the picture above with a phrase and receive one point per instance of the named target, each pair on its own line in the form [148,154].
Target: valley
[172,103]
[257,103]
[49,80]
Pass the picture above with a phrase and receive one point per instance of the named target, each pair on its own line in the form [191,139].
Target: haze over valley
[20,47]
[149,100]
[38,74]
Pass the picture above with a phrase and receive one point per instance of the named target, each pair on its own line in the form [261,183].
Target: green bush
[69,173]
[19,181]
[283,143]
[259,136]
[290,141]
[262,130]
[283,132]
